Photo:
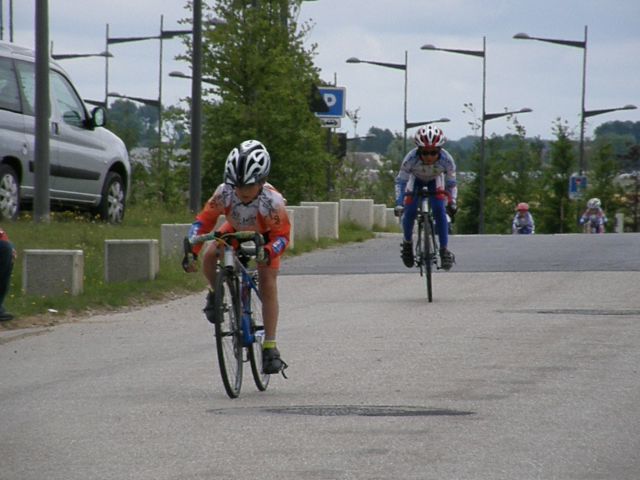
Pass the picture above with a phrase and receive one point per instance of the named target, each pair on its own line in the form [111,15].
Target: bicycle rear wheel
[255,349]
[228,334]
[427,254]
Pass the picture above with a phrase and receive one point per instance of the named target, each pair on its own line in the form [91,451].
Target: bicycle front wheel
[426,242]
[255,349]
[228,334]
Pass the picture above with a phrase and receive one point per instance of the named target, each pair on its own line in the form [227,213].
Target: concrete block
[379,215]
[619,228]
[171,237]
[53,272]
[328,218]
[126,260]
[306,222]
[391,219]
[292,220]
[358,211]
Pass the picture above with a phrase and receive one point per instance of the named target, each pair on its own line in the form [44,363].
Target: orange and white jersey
[265,214]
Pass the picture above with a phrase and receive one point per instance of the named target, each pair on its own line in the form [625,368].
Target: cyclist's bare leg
[211,255]
[268,284]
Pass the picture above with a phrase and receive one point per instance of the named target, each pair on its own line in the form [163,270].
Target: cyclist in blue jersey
[522,223]
[432,167]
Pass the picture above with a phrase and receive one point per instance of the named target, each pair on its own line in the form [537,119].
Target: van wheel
[9,193]
[111,208]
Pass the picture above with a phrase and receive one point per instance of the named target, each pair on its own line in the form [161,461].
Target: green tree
[124,121]
[602,184]
[619,128]
[263,75]
[378,141]
[164,180]
[556,212]
[512,166]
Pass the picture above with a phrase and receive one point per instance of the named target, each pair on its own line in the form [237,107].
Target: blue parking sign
[334,97]
[577,185]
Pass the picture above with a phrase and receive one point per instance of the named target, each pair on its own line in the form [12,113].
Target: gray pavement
[483,253]
[506,375]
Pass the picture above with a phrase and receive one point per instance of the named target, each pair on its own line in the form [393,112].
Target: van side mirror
[98,117]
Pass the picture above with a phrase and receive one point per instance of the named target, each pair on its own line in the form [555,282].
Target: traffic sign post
[334,98]
[577,186]
[330,122]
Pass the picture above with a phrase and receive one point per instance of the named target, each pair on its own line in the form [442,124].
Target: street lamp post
[570,43]
[396,66]
[482,54]
[147,101]
[485,116]
[195,168]
[178,74]
[66,56]
[163,35]
[593,113]
[70,56]
[426,122]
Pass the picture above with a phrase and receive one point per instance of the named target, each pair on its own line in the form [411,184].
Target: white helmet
[247,164]
[429,136]
[594,203]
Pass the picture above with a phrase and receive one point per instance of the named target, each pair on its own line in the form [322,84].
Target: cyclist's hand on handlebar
[398,210]
[190,259]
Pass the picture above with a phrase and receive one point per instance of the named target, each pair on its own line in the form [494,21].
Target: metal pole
[1,21]
[160,92]
[582,113]
[406,69]
[482,138]
[11,21]
[106,69]
[41,168]
[195,181]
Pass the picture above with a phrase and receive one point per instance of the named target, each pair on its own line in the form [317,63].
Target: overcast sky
[520,73]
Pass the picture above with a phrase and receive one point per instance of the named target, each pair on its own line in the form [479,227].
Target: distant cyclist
[248,202]
[433,167]
[593,217]
[523,221]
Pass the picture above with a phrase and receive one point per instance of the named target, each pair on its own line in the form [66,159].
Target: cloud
[542,76]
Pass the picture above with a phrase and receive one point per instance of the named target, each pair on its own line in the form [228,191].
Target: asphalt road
[483,253]
[506,375]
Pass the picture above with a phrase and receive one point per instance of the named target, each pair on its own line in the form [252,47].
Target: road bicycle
[523,230]
[594,224]
[426,249]
[239,328]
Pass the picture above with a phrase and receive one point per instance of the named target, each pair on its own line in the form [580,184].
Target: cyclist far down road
[428,163]
[593,218]
[522,223]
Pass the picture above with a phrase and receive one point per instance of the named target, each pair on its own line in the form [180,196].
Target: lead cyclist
[433,167]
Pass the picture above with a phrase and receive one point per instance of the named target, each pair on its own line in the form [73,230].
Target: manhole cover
[352,410]
[575,311]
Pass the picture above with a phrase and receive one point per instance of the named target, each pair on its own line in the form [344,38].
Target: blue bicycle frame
[248,287]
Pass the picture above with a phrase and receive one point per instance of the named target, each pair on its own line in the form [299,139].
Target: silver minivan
[89,165]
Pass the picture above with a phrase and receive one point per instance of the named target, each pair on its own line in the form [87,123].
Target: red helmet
[522,207]
[429,136]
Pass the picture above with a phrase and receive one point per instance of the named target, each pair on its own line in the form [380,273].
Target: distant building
[369,162]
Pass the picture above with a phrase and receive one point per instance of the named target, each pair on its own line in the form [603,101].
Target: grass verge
[79,232]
